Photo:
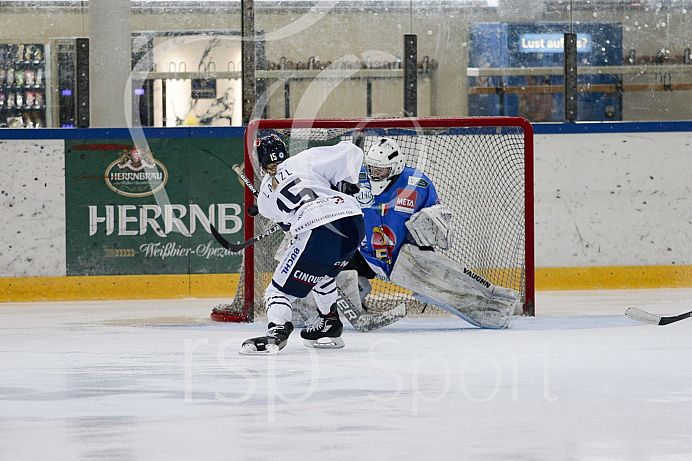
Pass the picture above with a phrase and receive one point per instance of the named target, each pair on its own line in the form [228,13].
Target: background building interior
[338,59]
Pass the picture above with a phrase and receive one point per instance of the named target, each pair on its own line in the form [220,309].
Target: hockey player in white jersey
[311,196]
[404,222]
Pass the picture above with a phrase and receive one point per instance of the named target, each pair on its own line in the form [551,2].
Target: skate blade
[250,349]
[324,343]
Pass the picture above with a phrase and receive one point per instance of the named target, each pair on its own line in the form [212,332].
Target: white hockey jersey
[303,198]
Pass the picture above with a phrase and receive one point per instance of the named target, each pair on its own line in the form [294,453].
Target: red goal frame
[413,122]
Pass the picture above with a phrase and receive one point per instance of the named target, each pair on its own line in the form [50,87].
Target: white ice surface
[158,380]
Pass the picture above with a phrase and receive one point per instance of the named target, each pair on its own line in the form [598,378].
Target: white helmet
[384,162]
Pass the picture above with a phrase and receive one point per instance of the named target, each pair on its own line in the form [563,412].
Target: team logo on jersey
[406,200]
[417,182]
[383,242]
[364,197]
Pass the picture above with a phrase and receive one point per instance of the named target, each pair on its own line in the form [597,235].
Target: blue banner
[551,43]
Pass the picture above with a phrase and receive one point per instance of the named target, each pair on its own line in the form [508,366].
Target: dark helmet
[270,149]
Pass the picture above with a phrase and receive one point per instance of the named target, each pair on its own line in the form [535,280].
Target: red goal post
[482,168]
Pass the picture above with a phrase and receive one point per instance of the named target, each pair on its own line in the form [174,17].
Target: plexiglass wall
[344,59]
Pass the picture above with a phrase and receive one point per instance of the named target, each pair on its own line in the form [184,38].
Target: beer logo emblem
[136,174]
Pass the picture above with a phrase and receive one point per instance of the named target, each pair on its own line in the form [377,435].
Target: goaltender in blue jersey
[405,224]
[386,214]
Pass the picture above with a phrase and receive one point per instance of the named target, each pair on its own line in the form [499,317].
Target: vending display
[532,45]
[23,88]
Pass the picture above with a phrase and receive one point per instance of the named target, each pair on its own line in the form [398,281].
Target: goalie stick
[360,322]
[368,322]
[643,316]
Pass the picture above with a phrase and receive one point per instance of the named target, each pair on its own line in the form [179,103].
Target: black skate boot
[276,339]
[324,331]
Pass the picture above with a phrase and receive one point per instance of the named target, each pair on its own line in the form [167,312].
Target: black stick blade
[222,241]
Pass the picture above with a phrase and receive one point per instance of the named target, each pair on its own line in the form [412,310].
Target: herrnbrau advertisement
[133,210]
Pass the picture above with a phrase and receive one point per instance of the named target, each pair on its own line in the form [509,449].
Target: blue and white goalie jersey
[303,197]
[385,215]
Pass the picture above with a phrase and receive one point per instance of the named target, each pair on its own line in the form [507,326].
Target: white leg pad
[364,287]
[437,280]
[348,282]
[304,308]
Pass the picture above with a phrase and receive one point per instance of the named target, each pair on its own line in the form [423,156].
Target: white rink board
[32,208]
[600,200]
[620,199]
[159,380]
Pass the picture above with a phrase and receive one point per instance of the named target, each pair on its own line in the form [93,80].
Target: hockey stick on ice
[643,316]
[367,322]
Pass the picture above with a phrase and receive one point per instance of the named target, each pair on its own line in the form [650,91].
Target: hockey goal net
[482,169]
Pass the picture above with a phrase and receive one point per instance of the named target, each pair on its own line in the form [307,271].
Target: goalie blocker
[437,280]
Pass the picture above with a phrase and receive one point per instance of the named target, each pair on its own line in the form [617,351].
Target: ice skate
[324,331]
[276,339]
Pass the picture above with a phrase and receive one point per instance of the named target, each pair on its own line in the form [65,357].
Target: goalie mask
[270,149]
[384,162]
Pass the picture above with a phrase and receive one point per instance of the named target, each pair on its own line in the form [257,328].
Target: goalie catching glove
[431,226]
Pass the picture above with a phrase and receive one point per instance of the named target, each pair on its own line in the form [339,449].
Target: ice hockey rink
[160,380]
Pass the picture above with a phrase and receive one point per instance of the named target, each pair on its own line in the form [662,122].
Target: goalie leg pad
[304,308]
[348,281]
[364,287]
[441,282]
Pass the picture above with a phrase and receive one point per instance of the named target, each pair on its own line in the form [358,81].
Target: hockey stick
[368,322]
[235,247]
[245,180]
[643,316]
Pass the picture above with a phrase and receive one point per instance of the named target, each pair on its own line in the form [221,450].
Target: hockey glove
[347,188]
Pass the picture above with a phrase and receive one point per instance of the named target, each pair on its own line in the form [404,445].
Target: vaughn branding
[477,277]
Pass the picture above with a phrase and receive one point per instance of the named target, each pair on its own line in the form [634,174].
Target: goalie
[404,222]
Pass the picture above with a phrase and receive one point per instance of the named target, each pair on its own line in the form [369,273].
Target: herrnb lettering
[477,278]
[291,259]
[307,278]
